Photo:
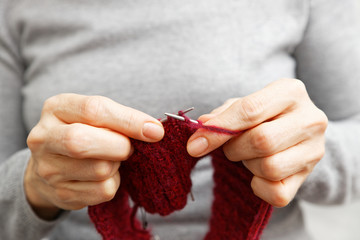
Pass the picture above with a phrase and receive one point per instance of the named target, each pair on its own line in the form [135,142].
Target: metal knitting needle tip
[179,117]
[185,111]
[143,218]
[192,196]
[188,110]
[163,120]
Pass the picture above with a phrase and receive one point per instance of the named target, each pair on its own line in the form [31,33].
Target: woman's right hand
[77,148]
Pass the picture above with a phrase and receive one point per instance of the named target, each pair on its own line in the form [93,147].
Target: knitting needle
[143,218]
[185,111]
[179,117]
[188,110]
[192,196]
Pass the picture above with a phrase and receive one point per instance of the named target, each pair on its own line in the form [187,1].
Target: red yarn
[236,212]
[210,128]
[157,178]
[113,219]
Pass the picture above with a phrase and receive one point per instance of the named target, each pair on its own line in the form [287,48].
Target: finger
[59,168]
[301,157]
[206,117]
[278,193]
[224,106]
[83,141]
[277,98]
[266,139]
[74,195]
[103,112]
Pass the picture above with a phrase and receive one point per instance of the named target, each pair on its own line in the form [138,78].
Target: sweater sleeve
[329,64]
[17,220]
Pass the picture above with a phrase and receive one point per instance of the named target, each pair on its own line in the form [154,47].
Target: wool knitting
[157,178]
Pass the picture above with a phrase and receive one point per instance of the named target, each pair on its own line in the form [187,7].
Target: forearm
[336,179]
[17,219]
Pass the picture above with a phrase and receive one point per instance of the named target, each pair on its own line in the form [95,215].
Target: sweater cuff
[330,181]
[20,221]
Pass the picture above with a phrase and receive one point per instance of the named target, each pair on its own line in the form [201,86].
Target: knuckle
[298,85]
[230,101]
[63,195]
[35,138]
[125,150]
[319,154]
[296,89]
[280,198]
[92,109]
[294,85]
[317,125]
[249,108]
[45,171]
[102,169]
[51,103]
[75,141]
[108,190]
[323,121]
[309,167]
[109,194]
[262,141]
[270,169]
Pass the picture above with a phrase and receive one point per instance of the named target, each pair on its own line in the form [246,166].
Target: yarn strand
[211,128]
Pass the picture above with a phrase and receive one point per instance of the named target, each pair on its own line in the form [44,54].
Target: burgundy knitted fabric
[157,178]
[114,221]
[236,212]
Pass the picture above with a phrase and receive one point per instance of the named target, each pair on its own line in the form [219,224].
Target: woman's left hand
[282,139]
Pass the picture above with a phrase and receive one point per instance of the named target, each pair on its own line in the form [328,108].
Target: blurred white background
[333,223]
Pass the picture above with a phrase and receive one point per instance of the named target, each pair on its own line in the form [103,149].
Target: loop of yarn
[157,178]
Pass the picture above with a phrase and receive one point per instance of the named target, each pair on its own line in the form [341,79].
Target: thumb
[235,115]
[204,141]
[244,113]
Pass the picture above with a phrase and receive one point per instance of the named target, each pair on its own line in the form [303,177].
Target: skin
[77,148]
[80,141]
[282,139]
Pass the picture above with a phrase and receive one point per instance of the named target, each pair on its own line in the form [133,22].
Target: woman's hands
[79,142]
[283,138]
[77,147]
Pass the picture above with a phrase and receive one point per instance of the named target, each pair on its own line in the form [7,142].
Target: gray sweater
[164,55]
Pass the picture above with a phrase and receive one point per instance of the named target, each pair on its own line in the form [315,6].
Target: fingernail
[153,131]
[198,146]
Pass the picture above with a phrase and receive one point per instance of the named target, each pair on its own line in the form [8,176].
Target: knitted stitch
[157,178]
[114,221]
[236,212]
